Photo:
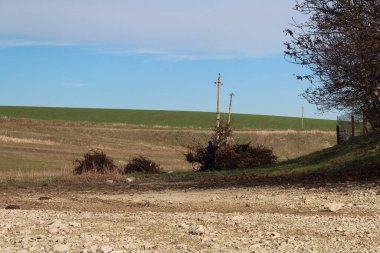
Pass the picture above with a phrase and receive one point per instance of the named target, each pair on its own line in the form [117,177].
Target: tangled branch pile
[196,155]
[142,164]
[94,161]
[229,156]
[236,156]
[244,156]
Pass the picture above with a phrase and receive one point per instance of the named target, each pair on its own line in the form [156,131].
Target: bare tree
[340,44]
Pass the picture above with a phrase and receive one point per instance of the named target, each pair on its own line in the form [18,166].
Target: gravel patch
[258,219]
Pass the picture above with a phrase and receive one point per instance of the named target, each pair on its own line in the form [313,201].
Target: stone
[197,230]
[182,247]
[110,182]
[105,249]
[146,246]
[130,179]
[75,224]
[33,248]
[274,235]
[53,230]
[60,239]
[334,207]
[206,240]
[92,249]
[183,225]
[255,248]
[307,200]
[215,198]
[39,237]
[61,248]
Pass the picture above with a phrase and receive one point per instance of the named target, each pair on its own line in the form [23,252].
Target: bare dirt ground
[333,218]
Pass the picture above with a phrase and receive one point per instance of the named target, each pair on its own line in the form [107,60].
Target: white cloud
[201,57]
[246,28]
[130,51]
[6,43]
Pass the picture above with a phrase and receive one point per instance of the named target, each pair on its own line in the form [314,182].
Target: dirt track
[339,218]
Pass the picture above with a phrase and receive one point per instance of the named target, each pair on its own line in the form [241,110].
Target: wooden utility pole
[302,112]
[219,83]
[230,108]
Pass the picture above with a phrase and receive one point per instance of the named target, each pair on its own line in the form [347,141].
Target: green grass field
[176,119]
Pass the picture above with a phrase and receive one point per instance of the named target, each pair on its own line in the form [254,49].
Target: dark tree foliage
[340,44]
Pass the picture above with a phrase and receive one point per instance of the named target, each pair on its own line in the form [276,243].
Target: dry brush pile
[228,155]
[96,161]
[237,156]
[142,164]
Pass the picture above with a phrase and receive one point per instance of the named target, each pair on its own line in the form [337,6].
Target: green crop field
[175,119]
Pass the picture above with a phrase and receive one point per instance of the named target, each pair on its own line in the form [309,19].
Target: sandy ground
[335,218]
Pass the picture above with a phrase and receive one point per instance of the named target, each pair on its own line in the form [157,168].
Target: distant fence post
[337,135]
[353,125]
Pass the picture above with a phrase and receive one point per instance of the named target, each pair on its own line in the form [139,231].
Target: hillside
[29,145]
[358,159]
[177,119]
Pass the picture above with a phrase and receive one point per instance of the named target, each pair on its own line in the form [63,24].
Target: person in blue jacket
[210,156]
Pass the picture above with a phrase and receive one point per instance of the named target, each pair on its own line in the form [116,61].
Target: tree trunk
[374,116]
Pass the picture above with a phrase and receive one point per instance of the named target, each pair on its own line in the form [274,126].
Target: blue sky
[148,54]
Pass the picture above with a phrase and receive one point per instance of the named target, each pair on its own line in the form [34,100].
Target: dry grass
[34,148]
[24,141]
[286,132]
[22,175]
[60,177]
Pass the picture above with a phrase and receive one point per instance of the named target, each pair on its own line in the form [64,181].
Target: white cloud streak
[7,43]
[187,28]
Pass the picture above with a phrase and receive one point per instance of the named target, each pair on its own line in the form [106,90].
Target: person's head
[209,143]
